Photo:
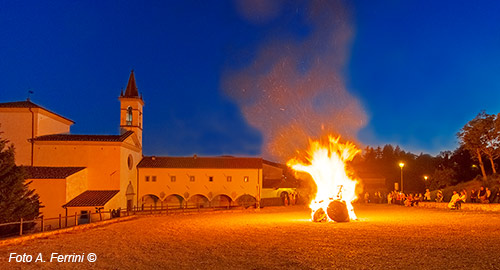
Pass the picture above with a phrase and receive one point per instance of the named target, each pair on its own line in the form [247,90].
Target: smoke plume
[293,89]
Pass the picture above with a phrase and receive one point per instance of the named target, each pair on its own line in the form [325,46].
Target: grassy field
[384,237]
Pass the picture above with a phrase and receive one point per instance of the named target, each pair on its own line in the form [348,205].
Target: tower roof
[131,90]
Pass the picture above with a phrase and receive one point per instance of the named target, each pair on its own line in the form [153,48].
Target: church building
[72,172]
[80,173]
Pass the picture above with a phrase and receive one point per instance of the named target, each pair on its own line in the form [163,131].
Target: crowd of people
[394,197]
[482,195]
[398,197]
[376,198]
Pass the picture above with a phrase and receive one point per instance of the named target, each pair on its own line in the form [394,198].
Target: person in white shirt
[453,200]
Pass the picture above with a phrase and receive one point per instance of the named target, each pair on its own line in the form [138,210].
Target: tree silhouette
[16,200]
[481,136]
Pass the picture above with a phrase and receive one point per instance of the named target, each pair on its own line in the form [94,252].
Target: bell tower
[131,109]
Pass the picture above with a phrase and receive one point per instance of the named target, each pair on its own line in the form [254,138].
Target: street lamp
[425,177]
[401,165]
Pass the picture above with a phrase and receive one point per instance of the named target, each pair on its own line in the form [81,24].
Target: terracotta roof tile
[19,104]
[78,137]
[29,104]
[92,198]
[201,162]
[50,172]
[274,164]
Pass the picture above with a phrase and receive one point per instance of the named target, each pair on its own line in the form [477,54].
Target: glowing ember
[326,165]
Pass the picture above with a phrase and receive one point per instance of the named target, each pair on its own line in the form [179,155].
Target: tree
[491,139]
[463,164]
[388,153]
[424,165]
[442,178]
[473,137]
[492,149]
[16,200]
[369,155]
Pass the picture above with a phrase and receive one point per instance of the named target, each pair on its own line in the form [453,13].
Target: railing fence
[43,224]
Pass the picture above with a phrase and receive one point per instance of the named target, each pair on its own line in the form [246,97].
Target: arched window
[129,116]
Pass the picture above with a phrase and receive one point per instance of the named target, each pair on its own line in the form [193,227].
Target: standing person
[473,196]
[439,196]
[427,195]
[482,195]
[488,195]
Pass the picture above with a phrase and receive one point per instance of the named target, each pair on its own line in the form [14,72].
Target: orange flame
[327,167]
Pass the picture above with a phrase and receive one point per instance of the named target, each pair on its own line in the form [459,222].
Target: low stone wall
[465,206]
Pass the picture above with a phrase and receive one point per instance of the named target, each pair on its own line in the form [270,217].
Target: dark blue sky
[420,69]
[425,68]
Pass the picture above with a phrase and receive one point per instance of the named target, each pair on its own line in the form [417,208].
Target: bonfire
[326,163]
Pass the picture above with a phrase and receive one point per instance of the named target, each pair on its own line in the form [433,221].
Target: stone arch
[149,200]
[198,201]
[221,200]
[130,190]
[173,201]
[129,194]
[246,200]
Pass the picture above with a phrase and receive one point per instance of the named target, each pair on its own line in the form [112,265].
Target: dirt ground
[384,237]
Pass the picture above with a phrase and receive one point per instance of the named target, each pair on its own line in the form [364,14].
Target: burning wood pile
[326,163]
